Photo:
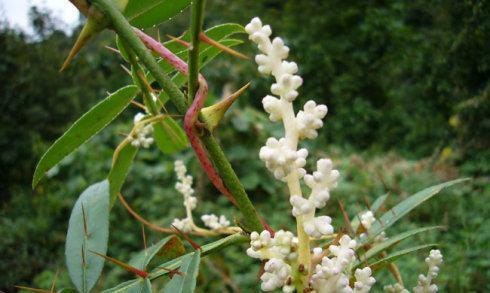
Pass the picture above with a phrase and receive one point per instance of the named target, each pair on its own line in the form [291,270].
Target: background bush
[407,86]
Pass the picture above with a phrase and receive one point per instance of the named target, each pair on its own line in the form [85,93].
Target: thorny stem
[126,32]
[197,17]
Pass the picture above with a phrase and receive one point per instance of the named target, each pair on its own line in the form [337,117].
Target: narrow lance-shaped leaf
[120,167]
[147,13]
[185,282]
[139,285]
[396,255]
[143,258]
[206,249]
[393,240]
[84,128]
[404,207]
[127,287]
[169,136]
[88,230]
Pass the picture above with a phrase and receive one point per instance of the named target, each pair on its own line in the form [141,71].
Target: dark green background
[407,86]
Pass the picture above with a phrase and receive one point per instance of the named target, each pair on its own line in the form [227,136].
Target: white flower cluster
[424,281]
[396,288]
[367,219]
[329,275]
[141,133]
[280,251]
[214,222]
[182,224]
[281,156]
[281,159]
[184,185]
[276,274]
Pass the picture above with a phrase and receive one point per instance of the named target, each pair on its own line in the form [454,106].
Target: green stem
[197,18]
[223,166]
[126,32]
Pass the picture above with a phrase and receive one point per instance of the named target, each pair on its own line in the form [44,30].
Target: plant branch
[197,17]
[126,32]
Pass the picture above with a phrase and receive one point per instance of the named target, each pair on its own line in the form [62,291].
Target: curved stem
[126,32]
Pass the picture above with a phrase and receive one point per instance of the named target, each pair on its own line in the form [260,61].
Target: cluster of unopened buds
[141,135]
[331,269]
[283,158]
[424,282]
[330,274]
[184,187]
[367,219]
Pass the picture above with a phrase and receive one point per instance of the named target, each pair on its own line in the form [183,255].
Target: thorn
[32,289]
[90,29]
[366,201]
[141,219]
[179,40]
[126,70]
[84,263]
[53,284]
[85,228]
[139,105]
[158,35]
[222,47]
[172,273]
[212,115]
[123,265]
[144,236]
[112,49]
[191,242]
[346,218]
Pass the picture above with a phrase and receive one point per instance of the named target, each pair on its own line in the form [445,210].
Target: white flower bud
[276,274]
[280,159]
[301,206]
[321,182]
[140,138]
[183,224]
[272,105]
[364,280]
[310,119]
[215,223]
[367,219]
[318,227]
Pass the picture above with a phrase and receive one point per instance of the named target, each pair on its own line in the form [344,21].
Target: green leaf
[84,128]
[88,230]
[169,136]
[206,249]
[392,257]
[139,285]
[143,258]
[67,290]
[375,250]
[120,169]
[186,282]
[404,207]
[147,13]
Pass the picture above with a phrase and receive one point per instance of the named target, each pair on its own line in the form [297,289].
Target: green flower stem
[125,31]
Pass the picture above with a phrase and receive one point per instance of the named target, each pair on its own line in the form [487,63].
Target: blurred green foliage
[407,86]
